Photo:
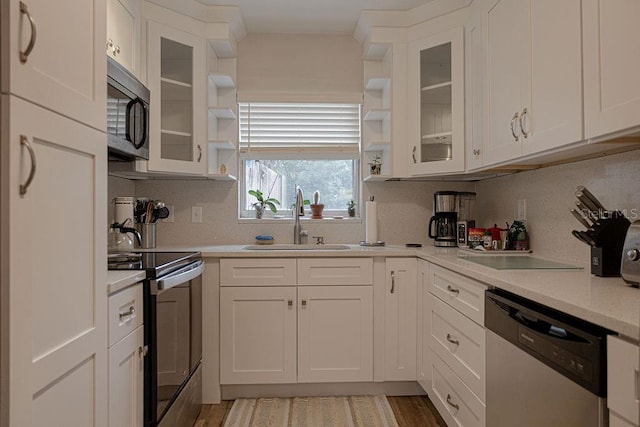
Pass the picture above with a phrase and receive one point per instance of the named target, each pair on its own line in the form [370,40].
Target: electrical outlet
[196,214]
[170,217]
[522,209]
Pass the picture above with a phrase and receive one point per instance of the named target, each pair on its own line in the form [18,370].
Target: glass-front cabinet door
[177,78]
[436,104]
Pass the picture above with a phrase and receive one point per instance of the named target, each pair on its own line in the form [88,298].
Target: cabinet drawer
[464,294]
[460,343]
[258,272]
[335,271]
[623,378]
[125,312]
[455,402]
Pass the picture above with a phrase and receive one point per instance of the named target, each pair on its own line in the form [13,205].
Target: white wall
[296,67]
[404,209]
[549,194]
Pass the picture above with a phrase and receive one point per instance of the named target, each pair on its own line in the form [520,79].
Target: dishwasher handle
[544,327]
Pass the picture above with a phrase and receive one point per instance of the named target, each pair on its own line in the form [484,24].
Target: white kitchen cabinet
[123,33]
[623,382]
[258,335]
[401,318]
[456,350]
[54,305]
[275,329]
[65,69]
[532,73]
[176,76]
[335,333]
[126,358]
[436,104]
[473,88]
[423,357]
[611,52]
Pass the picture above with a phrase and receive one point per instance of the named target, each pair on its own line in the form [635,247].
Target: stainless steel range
[173,334]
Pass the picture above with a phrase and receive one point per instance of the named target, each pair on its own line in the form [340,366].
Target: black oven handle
[181,276]
[130,105]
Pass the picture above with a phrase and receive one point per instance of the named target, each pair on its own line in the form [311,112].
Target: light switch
[196,214]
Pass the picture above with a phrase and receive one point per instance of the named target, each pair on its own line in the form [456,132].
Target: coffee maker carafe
[442,225]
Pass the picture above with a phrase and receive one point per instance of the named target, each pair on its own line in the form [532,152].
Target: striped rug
[343,411]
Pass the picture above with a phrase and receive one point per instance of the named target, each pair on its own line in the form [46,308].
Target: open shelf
[223,81]
[439,137]
[437,94]
[173,90]
[377,178]
[226,145]
[377,114]
[221,177]
[222,113]
[377,83]
[175,133]
[377,146]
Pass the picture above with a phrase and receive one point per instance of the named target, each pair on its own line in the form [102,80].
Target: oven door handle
[181,276]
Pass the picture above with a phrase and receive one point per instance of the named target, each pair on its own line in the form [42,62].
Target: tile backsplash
[404,208]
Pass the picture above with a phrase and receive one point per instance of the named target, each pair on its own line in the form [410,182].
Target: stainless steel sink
[292,247]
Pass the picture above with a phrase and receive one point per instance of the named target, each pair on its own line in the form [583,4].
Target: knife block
[609,235]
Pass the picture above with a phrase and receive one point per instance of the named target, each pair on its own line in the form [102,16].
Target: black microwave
[127,114]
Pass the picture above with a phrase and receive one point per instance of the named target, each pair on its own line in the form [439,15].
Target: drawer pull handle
[453,405]
[524,113]
[129,313]
[32,155]
[304,302]
[24,54]
[453,290]
[290,303]
[514,120]
[393,281]
[452,341]
[142,351]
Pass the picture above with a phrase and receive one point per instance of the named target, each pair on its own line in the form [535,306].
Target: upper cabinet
[123,33]
[611,52]
[436,104]
[50,61]
[532,77]
[176,76]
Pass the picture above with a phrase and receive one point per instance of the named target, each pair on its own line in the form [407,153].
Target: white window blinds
[293,128]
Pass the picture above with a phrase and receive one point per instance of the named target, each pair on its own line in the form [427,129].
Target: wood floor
[410,411]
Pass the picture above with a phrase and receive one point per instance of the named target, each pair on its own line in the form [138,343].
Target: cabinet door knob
[514,120]
[304,302]
[32,155]
[290,303]
[524,113]
[24,54]
[393,281]
[476,151]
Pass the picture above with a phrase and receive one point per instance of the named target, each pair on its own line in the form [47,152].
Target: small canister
[475,237]
[486,240]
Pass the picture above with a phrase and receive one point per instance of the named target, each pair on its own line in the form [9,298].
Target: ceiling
[308,16]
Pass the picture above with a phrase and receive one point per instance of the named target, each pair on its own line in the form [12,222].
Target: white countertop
[607,302]
[118,280]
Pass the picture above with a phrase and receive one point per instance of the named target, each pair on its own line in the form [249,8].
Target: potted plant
[351,208]
[316,207]
[375,165]
[263,203]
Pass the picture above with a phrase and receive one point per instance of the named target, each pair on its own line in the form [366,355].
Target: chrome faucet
[298,232]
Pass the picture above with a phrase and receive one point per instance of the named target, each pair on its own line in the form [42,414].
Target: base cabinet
[400,314]
[126,381]
[258,335]
[279,331]
[623,382]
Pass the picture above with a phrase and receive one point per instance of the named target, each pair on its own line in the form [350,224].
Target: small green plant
[351,208]
[262,203]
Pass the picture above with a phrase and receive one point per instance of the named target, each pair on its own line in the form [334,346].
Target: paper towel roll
[371,218]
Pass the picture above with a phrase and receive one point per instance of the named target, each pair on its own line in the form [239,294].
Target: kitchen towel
[371,218]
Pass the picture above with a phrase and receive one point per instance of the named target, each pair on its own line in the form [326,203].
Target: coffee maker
[444,219]
[465,208]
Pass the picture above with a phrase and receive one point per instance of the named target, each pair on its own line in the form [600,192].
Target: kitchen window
[312,145]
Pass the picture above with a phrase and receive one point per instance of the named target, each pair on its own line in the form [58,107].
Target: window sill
[308,219]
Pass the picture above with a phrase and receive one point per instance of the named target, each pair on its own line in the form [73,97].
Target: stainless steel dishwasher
[544,367]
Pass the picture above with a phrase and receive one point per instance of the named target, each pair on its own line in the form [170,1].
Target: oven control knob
[633,255]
